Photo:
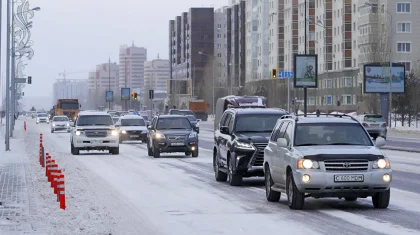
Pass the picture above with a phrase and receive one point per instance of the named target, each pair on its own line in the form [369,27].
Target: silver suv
[375,125]
[325,156]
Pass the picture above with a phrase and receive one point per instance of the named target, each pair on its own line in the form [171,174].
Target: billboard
[109,96]
[306,71]
[376,78]
[125,93]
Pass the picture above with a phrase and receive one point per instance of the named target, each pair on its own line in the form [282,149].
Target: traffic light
[151,94]
[274,73]
[135,95]
[29,80]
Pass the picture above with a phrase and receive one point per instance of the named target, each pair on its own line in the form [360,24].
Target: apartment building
[104,78]
[252,36]
[131,66]
[221,47]
[156,74]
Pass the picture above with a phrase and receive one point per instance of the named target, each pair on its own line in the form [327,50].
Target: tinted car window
[95,120]
[145,118]
[60,119]
[331,134]
[133,122]
[256,122]
[42,115]
[69,105]
[173,123]
[191,118]
[374,118]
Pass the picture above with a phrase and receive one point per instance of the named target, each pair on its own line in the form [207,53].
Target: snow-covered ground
[133,193]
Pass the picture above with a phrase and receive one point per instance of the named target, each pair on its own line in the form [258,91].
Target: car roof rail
[328,114]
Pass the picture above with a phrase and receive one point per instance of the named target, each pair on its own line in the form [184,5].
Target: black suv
[172,134]
[240,140]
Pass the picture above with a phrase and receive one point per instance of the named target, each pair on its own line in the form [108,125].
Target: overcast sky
[75,35]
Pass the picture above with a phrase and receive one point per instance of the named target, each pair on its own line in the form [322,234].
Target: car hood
[338,150]
[133,128]
[42,117]
[175,132]
[95,127]
[256,137]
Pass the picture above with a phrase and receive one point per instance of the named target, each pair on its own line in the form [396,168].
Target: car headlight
[197,125]
[192,135]
[159,135]
[114,132]
[241,145]
[307,164]
[53,124]
[78,133]
[124,131]
[381,164]
[68,124]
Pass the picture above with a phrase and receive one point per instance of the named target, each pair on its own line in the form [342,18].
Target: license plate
[134,136]
[374,125]
[177,144]
[348,178]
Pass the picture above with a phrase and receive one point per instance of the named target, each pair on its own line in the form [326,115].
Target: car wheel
[234,178]
[351,199]
[381,200]
[52,131]
[120,141]
[187,153]
[68,131]
[149,150]
[218,174]
[74,150]
[115,150]
[296,199]
[271,195]
[195,153]
[156,152]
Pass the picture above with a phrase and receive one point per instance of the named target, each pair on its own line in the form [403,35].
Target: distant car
[181,112]
[194,121]
[132,127]
[42,117]
[374,124]
[60,123]
[172,134]
[115,119]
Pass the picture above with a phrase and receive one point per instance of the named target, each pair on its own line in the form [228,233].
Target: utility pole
[305,89]
[109,80]
[125,75]
[13,70]
[7,136]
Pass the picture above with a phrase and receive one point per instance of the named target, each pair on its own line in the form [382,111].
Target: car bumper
[96,143]
[42,121]
[244,163]
[60,128]
[167,146]
[377,132]
[137,136]
[322,183]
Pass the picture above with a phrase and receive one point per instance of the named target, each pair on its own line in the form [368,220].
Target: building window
[219,26]
[348,82]
[404,47]
[311,101]
[347,99]
[407,66]
[404,7]
[329,100]
[328,83]
[219,35]
[403,27]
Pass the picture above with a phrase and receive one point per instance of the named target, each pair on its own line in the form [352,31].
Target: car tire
[52,131]
[74,150]
[295,199]
[187,153]
[149,150]
[156,152]
[68,131]
[271,195]
[218,174]
[120,141]
[350,199]
[115,150]
[381,199]
[234,178]
[195,153]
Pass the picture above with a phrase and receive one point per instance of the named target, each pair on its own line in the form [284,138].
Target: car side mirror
[72,124]
[282,143]
[380,142]
[224,130]
[198,120]
[149,127]
[196,129]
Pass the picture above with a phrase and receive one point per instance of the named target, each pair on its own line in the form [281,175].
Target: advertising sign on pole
[376,78]
[125,93]
[109,96]
[306,71]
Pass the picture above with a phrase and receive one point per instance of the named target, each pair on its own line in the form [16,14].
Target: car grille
[259,155]
[68,113]
[176,137]
[346,165]
[134,132]
[96,133]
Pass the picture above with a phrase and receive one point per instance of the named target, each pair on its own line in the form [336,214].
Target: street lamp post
[212,63]
[8,113]
[390,61]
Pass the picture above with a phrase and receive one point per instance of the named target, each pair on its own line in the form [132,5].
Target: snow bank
[83,215]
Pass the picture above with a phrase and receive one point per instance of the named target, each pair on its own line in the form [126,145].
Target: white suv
[94,131]
[60,123]
[325,156]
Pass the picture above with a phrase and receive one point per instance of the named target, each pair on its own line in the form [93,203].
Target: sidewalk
[16,207]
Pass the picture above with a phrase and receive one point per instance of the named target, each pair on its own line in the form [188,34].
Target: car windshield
[308,134]
[145,118]
[191,118]
[60,119]
[374,118]
[42,115]
[133,122]
[256,122]
[95,120]
[182,112]
[173,123]
[69,105]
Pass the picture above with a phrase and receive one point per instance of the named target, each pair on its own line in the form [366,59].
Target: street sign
[286,74]
[20,80]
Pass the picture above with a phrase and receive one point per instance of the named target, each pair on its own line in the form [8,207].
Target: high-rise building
[220,47]
[131,66]
[103,79]
[156,74]
[70,89]
[252,36]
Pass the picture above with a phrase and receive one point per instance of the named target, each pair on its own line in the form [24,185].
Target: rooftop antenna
[158,56]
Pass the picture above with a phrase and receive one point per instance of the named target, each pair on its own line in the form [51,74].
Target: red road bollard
[61,192]
[24,125]
[52,162]
[56,180]
[47,164]
[54,169]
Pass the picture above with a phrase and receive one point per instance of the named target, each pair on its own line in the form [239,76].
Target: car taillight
[383,125]
[365,124]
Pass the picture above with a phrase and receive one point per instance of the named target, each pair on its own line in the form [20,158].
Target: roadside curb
[411,150]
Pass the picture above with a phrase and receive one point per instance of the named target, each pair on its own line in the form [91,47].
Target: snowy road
[179,195]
